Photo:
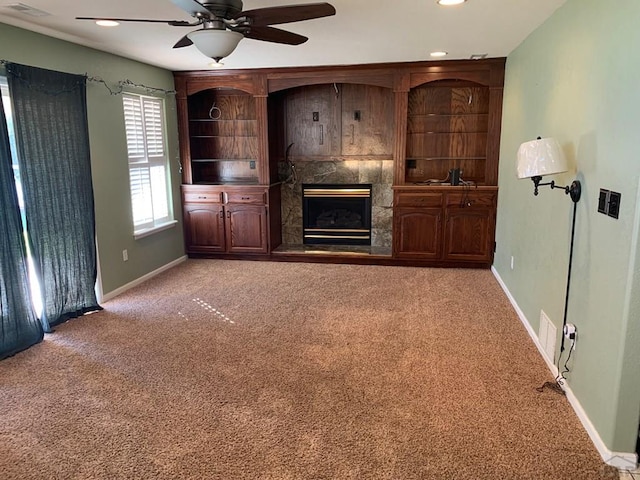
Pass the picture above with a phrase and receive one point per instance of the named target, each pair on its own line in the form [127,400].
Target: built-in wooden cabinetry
[428,118]
[445,225]
[226,219]
[229,196]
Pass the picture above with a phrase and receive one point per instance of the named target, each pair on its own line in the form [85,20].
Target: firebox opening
[337,214]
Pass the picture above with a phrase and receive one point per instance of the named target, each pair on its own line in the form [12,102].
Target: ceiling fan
[224,23]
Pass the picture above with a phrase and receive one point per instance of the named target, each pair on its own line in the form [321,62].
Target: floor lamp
[536,159]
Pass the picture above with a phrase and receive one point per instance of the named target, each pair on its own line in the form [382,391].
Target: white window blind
[148,172]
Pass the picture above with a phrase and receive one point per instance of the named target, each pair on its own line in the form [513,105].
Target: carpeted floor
[256,370]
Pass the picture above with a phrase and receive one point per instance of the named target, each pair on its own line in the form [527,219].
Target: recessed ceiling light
[439,54]
[447,3]
[107,23]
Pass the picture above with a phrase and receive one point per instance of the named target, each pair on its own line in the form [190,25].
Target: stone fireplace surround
[379,173]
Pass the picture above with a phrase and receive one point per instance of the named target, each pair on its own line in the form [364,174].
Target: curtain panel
[50,116]
[19,327]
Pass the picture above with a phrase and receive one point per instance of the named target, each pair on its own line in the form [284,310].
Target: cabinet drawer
[418,199]
[253,198]
[202,196]
[475,199]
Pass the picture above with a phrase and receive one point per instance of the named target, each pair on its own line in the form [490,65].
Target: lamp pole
[566,297]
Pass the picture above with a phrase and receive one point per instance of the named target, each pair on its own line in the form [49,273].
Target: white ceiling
[362,31]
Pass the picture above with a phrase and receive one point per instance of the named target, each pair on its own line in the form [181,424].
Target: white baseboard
[114,293]
[621,460]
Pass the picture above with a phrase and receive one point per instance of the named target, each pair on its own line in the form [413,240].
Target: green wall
[108,150]
[577,78]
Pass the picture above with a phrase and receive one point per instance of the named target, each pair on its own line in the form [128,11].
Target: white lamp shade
[541,157]
[214,43]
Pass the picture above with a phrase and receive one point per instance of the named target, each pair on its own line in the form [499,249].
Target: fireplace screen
[336,214]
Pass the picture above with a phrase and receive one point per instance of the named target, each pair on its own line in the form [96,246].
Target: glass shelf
[447,114]
[223,136]
[222,120]
[210,160]
[428,159]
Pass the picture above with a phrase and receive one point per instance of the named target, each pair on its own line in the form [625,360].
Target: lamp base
[574,191]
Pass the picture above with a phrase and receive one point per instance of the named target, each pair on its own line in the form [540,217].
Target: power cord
[465,201]
[558,385]
[561,378]
[430,181]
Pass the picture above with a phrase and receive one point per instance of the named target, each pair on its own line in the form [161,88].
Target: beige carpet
[257,370]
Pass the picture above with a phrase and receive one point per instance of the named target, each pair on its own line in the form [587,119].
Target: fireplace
[336,214]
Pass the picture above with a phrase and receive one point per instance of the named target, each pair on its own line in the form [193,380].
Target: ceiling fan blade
[191,7]
[275,35]
[174,23]
[288,13]
[183,42]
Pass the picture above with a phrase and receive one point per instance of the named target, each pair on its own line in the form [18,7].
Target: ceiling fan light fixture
[107,23]
[215,43]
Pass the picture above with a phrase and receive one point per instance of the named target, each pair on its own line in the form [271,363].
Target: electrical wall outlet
[511,262]
[125,255]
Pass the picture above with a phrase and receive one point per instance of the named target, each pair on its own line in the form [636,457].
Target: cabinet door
[204,227]
[312,121]
[246,228]
[418,233]
[469,234]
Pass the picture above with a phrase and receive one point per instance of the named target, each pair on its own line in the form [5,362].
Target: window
[149,177]
[34,282]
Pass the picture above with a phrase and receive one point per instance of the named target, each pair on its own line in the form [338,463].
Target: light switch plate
[603,201]
[609,203]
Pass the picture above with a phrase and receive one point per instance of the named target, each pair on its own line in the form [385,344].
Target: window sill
[158,228]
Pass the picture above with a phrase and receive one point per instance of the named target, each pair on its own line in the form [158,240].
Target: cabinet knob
[246,198]
[221,214]
[202,197]
[228,214]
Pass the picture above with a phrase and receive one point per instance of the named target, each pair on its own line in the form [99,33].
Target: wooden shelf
[411,115]
[419,159]
[222,120]
[223,136]
[209,160]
